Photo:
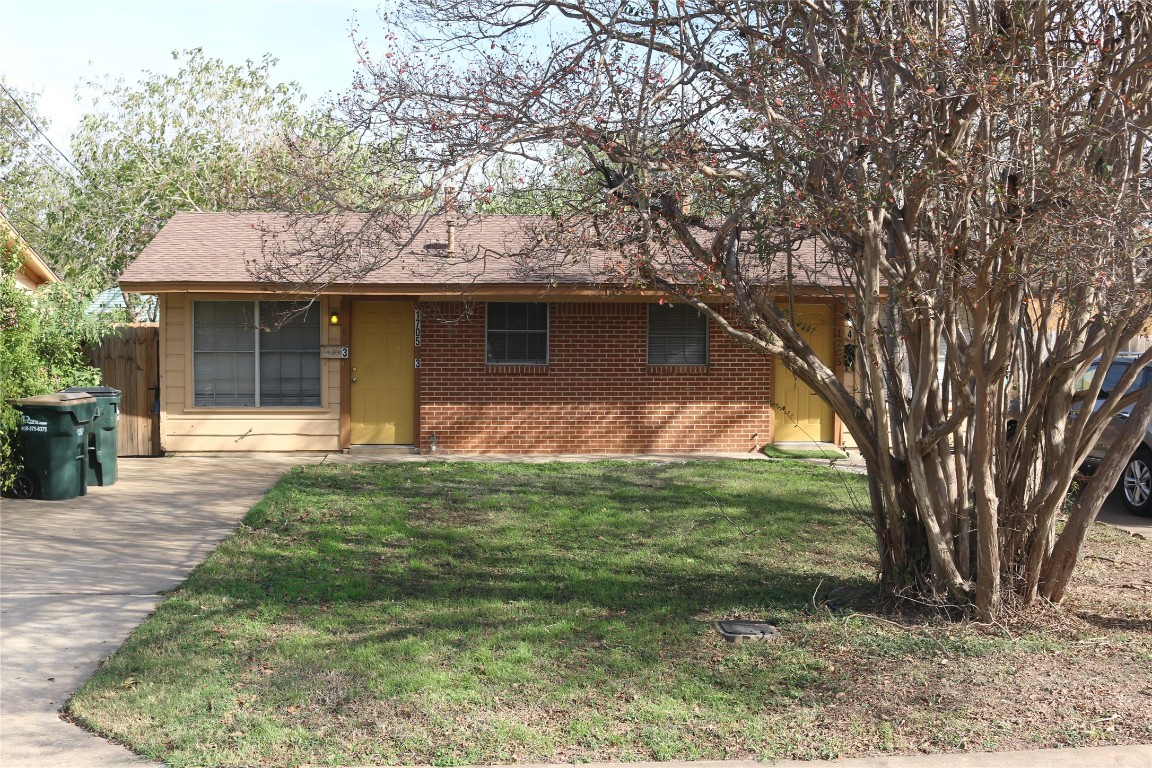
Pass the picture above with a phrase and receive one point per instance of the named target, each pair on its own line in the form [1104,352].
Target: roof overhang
[31,265]
[35,267]
[429,290]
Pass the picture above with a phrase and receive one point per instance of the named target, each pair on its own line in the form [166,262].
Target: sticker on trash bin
[31,425]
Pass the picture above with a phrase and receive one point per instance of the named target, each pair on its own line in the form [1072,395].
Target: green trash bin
[54,437]
[102,434]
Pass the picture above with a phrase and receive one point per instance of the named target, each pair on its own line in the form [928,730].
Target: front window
[677,335]
[255,354]
[517,333]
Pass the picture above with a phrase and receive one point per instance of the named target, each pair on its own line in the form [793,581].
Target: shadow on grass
[620,537]
[1117,623]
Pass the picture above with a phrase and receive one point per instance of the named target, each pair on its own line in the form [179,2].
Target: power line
[38,150]
[92,188]
[24,219]
[40,131]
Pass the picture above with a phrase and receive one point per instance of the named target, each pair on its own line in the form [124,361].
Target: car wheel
[1137,483]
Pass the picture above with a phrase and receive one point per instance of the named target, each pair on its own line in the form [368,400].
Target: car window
[1084,383]
[1143,380]
[1115,372]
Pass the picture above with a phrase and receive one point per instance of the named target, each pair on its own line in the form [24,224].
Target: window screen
[677,335]
[518,333]
[231,354]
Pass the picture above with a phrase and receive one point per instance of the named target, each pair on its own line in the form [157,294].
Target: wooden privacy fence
[129,360]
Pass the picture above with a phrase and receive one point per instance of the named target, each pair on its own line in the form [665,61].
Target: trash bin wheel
[24,486]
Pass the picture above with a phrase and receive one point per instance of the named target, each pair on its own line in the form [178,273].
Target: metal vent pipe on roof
[450,209]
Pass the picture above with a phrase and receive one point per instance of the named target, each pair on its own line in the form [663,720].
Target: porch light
[334,317]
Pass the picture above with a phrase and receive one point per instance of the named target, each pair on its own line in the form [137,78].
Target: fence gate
[129,360]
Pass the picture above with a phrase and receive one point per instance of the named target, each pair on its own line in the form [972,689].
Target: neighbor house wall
[597,394]
[187,428]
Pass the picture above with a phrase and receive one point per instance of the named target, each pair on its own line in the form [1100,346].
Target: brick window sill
[677,370]
[517,370]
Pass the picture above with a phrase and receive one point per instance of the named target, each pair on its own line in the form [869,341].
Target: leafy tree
[33,176]
[43,334]
[509,185]
[194,140]
[211,137]
[975,173]
[321,166]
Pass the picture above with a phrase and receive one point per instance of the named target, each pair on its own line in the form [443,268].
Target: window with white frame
[517,333]
[256,354]
[677,335]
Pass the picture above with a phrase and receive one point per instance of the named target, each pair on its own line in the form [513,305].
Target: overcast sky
[51,46]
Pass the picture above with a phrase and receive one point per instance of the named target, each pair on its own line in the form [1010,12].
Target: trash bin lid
[60,400]
[97,391]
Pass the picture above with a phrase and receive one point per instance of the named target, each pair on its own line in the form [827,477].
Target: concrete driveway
[76,577]
[1115,513]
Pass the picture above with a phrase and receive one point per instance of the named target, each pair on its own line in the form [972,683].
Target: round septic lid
[760,631]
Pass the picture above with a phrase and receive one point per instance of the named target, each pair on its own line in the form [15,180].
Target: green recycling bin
[102,434]
[54,437]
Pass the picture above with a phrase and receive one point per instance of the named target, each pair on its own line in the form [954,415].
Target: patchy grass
[465,613]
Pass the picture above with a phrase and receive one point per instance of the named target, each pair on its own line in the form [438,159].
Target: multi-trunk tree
[974,173]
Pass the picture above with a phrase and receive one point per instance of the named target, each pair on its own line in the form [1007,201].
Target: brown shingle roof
[236,251]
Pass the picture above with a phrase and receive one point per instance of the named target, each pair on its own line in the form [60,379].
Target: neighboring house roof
[143,310]
[33,271]
[359,253]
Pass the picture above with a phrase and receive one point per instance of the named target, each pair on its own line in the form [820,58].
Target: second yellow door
[383,373]
[801,416]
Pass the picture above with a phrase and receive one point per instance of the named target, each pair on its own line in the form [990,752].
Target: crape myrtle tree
[974,172]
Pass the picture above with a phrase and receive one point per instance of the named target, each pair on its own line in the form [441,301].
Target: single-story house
[452,346]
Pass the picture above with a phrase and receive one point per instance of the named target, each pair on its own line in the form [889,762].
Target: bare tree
[975,173]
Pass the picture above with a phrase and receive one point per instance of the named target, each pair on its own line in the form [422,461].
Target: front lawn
[468,613]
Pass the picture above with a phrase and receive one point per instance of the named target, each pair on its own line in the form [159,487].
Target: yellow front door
[383,373]
[801,416]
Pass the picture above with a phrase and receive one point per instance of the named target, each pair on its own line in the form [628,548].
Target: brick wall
[597,394]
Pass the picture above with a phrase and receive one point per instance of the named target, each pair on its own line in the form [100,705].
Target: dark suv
[1136,481]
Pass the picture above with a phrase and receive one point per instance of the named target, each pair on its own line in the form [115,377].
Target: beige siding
[184,427]
[255,442]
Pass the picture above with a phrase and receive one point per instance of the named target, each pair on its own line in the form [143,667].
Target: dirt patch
[1080,675]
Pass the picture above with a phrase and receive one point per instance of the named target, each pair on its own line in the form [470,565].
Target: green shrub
[41,335]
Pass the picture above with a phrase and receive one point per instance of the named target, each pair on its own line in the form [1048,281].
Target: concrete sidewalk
[76,577]
[1097,757]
